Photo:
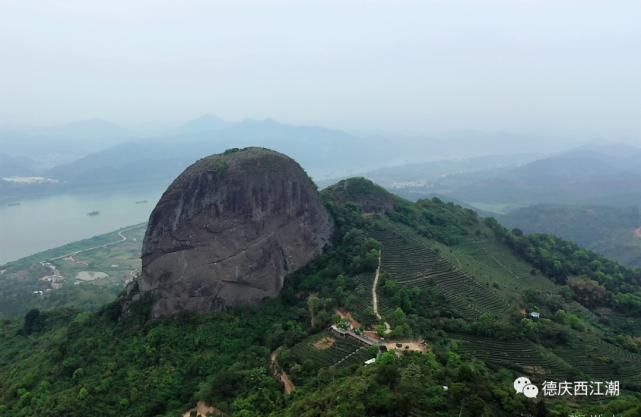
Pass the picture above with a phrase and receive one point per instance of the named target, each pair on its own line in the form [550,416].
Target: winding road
[121,234]
[55,273]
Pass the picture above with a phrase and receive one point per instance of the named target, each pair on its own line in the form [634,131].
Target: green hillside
[614,232]
[455,290]
[83,275]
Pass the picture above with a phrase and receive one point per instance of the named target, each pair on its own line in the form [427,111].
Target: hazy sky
[394,65]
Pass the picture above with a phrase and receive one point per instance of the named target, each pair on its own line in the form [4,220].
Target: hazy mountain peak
[260,122]
[206,123]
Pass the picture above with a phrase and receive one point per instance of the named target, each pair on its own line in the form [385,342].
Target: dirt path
[54,271]
[375,297]
[288,385]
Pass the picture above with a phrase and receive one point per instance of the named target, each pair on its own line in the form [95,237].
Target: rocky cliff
[229,230]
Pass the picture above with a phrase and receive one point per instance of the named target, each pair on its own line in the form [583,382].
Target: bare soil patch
[75,261]
[324,343]
[90,275]
[372,334]
[348,316]
[202,409]
[407,346]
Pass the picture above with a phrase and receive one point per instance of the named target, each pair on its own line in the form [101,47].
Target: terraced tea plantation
[341,352]
[520,355]
[488,260]
[361,296]
[630,325]
[602,361]
[412,262]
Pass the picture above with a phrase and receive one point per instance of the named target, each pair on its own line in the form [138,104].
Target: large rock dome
[229,229]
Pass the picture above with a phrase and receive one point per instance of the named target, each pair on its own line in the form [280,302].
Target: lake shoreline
[39,224]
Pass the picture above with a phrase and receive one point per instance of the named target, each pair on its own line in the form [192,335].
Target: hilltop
[456,291]
[362,193]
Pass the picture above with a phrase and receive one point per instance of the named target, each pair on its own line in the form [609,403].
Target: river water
[42,223]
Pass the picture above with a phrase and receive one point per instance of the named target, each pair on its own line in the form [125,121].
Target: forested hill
[611,231]
[453,292]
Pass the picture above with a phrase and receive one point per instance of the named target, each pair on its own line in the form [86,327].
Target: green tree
[31,320]
[313,306]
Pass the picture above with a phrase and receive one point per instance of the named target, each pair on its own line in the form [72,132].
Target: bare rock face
[229,229]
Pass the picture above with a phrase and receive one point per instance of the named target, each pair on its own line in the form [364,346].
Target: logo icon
[531,391]
[520,383]
[523,385]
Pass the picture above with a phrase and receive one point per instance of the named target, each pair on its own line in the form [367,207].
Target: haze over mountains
[419,180]
[97,148]
[96,152]
[51,146]
[492,173]
[597,173]
[324,151]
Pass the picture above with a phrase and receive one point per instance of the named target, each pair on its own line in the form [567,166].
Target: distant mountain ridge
[123,161]
[321,151]
[205,123]
[605,174]
[96,153]
[426,179]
